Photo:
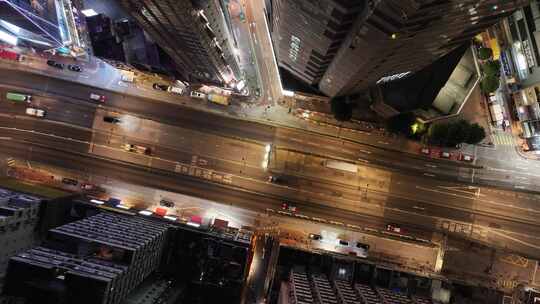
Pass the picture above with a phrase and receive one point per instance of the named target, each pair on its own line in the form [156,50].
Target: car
[425,151]
[258,92]
[70,181]
[362,246]
[286,206]
[111,119]
[394,228]
[166,203]
[445,154]
[87,186]
[175,90]
[160,87]
[35,112]
[137,149]
[316,237]
[466,157]
[55,64]
[343,243]
[74,68]
[196,94]
[97,97]
[276,179]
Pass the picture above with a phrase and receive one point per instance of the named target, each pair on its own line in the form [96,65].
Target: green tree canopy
[492,68]
[341,108]
[489,84]
[485,53]
[476,134]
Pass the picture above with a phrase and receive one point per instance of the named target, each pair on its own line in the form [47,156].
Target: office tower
[195,34]
[19,214]
[386,38]
[42,25]
[99,259]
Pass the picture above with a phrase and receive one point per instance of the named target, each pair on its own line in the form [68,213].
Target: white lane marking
[383,142]
[364,151]
[363,160]
[431,166]
[429,174]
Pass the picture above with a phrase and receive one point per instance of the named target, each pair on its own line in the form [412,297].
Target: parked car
[137,149]
[286,206]
[196,94]
[111,119]
[97,97]
[425,151]
[166,203]
[393,228]
[343,243]
[35,112]
[74,68]
[445,154]
[160,87]
[258,92]
[175,90]
[316,237]
[362,246]
[55,64]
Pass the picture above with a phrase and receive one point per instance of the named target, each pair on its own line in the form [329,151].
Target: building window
[294,48]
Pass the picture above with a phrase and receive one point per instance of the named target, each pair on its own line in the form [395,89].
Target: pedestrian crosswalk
[505,139]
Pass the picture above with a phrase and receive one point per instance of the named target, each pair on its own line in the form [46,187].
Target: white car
[196,94]
[97,97]
[35,112]
[176,90]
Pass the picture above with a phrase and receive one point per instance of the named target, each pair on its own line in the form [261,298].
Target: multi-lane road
[227,154]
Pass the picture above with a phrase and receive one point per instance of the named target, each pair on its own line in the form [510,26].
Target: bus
[18,97]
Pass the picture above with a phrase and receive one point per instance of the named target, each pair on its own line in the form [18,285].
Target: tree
[457,132]
[489,84]
[341,108]
[492,68]
[402,123]
[476,134]
[485,53]
[438,133]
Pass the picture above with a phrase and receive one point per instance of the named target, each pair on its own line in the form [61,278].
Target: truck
[219,99]
[18,97]
[340,165]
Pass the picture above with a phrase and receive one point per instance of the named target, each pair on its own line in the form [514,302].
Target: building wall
[178,28]
[397,36]
[307,34]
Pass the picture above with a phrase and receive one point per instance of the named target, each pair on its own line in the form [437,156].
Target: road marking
[419,208]
[519,187]
[364,151]
[429,174]
[383,142]
[431,166]
[363,161]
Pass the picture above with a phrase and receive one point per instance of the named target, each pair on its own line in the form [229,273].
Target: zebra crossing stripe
[10,162]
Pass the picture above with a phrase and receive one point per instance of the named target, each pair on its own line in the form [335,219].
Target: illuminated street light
[268,148]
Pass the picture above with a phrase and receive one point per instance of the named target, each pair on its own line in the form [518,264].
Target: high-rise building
[44,25]
[307,34]
[386,38]
[18,220]
[195,34]
[96,260]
